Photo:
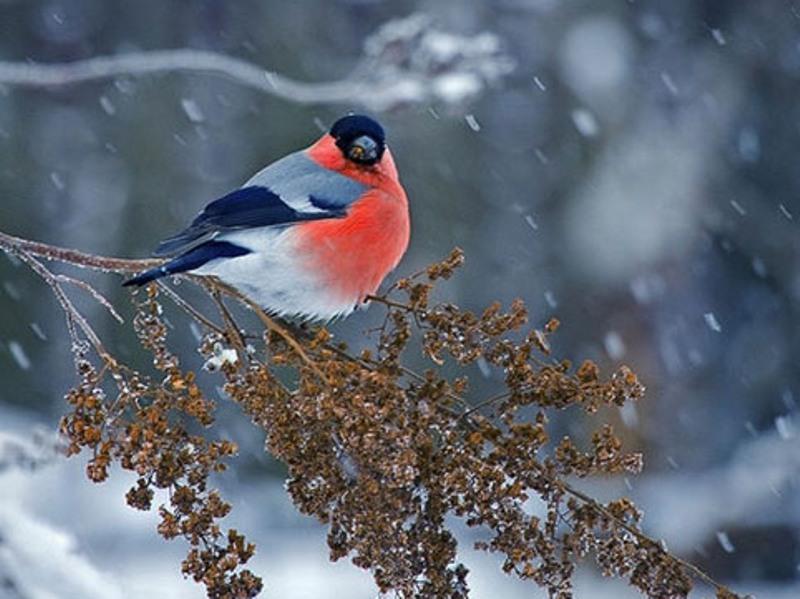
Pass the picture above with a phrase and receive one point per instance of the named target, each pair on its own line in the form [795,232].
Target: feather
[292,190]
[194,258]
[299,180]
[248,207]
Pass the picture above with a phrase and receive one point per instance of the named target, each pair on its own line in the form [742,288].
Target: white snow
[37,330]
[57,180]
[550,298]
[222,356]
[585,122]
[472,122]
[668,82]
[19,355]
[483,366]
[192,110]
[738,207]
[107,106]
[43,562]
[456,87]
[725,542]
[712,322]
[614,345]
[785,427]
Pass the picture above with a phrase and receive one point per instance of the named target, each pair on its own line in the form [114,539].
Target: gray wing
[306,186]
[291,190]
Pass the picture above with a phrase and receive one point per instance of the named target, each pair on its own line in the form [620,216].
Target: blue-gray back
[306,186]
[291,190]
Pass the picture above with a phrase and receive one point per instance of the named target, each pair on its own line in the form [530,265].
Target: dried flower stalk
[379,453]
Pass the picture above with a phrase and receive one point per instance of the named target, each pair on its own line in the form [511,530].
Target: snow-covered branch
[406,61]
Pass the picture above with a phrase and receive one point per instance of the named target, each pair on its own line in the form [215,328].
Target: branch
[469,412]
[17,245]
[189,308]
[406,61]
[70,312]
[271,325]
[28,74]
[695,572]
[99,297]
[28,251]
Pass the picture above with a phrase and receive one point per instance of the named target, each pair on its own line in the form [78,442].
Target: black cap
[351,127]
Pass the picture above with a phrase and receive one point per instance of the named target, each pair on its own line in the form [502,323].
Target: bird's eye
[363,150]
[356,153]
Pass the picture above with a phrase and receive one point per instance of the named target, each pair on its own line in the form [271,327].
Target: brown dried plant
[379,453]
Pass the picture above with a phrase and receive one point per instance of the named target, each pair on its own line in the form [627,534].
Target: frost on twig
[412,61]
[406,61]
[220,357]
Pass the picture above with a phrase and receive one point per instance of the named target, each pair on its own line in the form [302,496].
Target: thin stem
[272,325]
[9,243]
[101,299]
[73,316]
[234,331]
[487,402]
[642,537]
[188,308]
[379,299]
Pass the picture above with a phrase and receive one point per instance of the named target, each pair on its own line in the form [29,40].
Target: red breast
[354,254]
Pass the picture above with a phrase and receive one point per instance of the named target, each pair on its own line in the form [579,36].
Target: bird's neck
[382,175]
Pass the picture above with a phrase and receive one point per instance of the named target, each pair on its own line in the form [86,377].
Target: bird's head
[356,147]
[360,139]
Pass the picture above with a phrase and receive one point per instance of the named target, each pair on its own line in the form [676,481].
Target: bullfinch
[310,235]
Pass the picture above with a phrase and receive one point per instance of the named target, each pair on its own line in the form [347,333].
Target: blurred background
[630,167]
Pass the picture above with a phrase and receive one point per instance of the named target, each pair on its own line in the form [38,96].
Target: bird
[309,236]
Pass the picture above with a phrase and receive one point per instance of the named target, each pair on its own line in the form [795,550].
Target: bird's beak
[369,147]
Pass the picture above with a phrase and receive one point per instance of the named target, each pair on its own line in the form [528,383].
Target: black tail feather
[145,277]
[192,259]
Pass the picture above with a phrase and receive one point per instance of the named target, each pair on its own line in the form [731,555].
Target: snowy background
[635,174]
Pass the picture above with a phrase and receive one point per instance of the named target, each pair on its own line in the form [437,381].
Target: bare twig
[487,402]
[272,325]
[234,332]
[380,299]
[188,308]
[71,313]
[101,299]
[17,245]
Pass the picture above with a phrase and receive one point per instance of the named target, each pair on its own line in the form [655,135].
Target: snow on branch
[406,61]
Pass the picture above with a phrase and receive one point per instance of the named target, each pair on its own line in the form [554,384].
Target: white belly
[273,277]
